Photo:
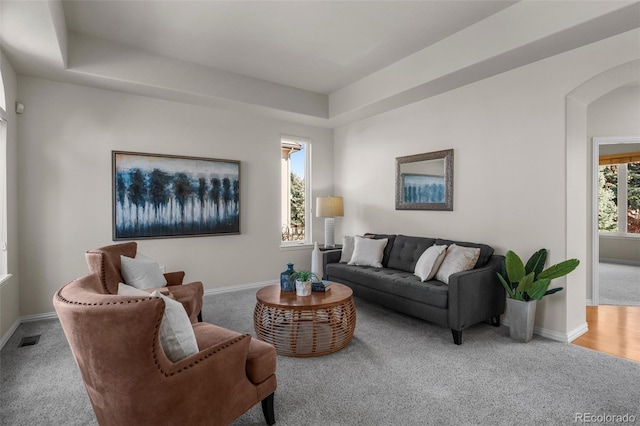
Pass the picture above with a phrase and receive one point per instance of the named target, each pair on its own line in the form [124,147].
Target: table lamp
[329,208]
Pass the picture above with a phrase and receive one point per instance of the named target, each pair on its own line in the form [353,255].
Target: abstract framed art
[423,188]
[170,196]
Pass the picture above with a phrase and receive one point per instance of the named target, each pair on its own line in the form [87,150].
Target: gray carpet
[396,371]
[619,284]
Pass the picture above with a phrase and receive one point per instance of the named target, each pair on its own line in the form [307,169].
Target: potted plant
[525,285]
[303,282]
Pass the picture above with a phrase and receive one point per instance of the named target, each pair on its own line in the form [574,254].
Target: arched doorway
[581,242]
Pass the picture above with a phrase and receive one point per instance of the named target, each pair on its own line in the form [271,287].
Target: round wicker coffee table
[307,326]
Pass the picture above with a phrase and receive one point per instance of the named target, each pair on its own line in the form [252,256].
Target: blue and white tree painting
[158,196]
[423,188]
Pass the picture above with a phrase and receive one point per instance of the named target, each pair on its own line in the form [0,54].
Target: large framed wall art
[425,181]
[168,196]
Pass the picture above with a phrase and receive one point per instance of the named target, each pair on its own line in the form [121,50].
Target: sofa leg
[495,321]
[200,316]
[457,336]
[267,409]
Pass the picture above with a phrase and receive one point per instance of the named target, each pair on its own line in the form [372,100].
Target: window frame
[622,190]
[4,261]
[307,143]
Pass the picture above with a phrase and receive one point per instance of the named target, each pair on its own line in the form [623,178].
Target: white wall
[9,293]
[613,115]
[508,136]
[66,137]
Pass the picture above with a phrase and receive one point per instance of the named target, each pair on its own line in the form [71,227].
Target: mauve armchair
[130,381]
[105,262]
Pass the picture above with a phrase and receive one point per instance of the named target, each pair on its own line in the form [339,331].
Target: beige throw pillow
[458,259]
[347,248]
[368,252]
[429,262]
[141,273]
[176,333]
[127,290]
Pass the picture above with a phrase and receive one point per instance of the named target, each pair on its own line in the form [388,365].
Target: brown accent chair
[129,379]
[105,262]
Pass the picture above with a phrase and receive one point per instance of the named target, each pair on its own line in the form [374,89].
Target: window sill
[4,279]
[291,247]
[616,236]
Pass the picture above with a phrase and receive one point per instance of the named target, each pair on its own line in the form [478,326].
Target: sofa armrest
[174,278]
[330,256]
[476,295]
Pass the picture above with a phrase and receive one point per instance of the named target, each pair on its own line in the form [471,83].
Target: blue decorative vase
[286,282]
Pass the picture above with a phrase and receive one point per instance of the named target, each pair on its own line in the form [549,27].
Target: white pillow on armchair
[141,273]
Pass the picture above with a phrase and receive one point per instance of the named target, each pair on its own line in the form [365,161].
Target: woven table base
[305,331]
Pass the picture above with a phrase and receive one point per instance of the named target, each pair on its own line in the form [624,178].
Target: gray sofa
[470,297]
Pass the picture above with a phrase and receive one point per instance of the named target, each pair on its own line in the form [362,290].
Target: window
[619,197]
[295,191]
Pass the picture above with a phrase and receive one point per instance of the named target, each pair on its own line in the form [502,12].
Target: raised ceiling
[323,63]
[316,46]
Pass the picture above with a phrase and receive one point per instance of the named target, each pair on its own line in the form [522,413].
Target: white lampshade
[329,207]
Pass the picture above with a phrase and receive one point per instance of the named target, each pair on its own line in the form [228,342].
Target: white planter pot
[522,317]
[303,288]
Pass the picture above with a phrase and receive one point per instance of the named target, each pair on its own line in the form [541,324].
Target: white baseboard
[231,288]
[9,333]
[556,335]
[38,317]
[577,332]
[26,318]
[53,315]
[620,261]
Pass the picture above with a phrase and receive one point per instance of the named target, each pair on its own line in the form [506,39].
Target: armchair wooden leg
[457,336]
[200,316]
[267,409]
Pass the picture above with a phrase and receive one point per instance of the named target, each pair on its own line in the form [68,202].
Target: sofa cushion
[406,251]
[387,250]
[458,259]
[392,281]
[485,250]
[347,248]
[430,262]
[367,251]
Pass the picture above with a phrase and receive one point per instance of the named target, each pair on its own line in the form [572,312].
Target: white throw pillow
[430,262]
[347,249]
[458,259]
[141,273]
[368,252]
[176,333]
[127,290]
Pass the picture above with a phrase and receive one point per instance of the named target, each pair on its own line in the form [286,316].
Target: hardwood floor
[614,330]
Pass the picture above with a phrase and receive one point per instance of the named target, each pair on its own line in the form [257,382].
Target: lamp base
[329,232]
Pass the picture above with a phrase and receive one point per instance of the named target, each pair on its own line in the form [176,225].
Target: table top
[274,296]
